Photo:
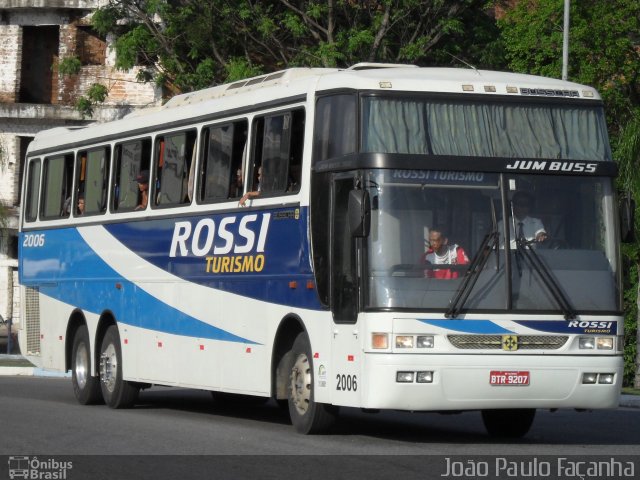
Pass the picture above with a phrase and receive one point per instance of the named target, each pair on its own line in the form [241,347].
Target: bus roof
[299,82]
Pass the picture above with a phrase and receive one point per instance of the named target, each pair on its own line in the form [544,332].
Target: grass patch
[631,391]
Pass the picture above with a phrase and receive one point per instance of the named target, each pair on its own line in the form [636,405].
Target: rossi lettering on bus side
[232,245]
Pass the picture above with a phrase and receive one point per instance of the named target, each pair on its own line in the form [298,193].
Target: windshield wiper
[524,248]
[472,274]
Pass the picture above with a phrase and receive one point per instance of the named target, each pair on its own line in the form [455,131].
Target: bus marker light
[404,341]
[248,350]
[159,344]
[589,378]
[60,337]
[350,358]
[310,285]
[118,286]
[316,355]
[490,88]
[293,284]
[512,89]
[379,341]
[467,88]
[126,341]
[201,347]
[424,377]
[606,378]
[404,377]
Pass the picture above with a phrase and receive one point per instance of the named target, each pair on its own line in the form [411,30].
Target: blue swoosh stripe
[468,326]
[66,258]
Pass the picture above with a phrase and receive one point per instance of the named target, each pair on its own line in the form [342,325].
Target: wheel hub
[109,367]
[301,384]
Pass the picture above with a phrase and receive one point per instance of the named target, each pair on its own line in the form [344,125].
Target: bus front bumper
[471,382]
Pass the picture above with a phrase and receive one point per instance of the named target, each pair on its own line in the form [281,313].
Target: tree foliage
[604,52]
[191,44]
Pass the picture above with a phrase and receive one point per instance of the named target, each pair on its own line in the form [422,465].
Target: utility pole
[565,41]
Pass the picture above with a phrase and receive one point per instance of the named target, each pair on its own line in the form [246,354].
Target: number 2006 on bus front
[509,378]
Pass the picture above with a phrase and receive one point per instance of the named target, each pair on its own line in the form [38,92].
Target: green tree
[191,44]
[604,52]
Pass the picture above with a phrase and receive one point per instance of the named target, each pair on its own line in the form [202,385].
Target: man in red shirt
[441,253]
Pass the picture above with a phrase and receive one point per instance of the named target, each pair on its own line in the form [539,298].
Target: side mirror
[627,218]
[359,213]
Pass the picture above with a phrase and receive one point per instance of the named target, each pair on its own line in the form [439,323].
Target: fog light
[587,343]
[589,378]
[606,378]
[620,343]
[379,340]
[404,341]
[404,377]
[425,341]
[605,343]
[424,377]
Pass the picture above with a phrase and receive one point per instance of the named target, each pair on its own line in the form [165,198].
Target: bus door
[346,294]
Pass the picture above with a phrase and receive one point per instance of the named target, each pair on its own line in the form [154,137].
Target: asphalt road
[40,416]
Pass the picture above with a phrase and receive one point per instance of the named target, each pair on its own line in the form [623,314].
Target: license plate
[509,378]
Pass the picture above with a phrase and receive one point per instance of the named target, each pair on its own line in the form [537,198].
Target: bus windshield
[469,128]
[427,226]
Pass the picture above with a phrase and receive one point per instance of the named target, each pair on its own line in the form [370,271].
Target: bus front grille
[495,342]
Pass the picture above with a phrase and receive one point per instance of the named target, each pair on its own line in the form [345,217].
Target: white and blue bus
[274,237]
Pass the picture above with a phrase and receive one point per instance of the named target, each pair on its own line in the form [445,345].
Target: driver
[523,225]
[441,253]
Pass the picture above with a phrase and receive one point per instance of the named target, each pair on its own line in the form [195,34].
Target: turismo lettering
[438,175]
[232,245]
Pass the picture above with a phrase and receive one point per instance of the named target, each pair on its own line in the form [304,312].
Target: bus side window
[33,191]
[58,179]
[173,165]
[222,161]
[131,158]
[92,181]
[278,150]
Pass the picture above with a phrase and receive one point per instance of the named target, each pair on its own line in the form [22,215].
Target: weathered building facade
[35,37]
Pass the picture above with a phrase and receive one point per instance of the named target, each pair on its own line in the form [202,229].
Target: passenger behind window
[254,193]
[441,253]
[80,206]
[143,186]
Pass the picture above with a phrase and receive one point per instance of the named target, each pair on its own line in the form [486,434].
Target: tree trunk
[636,380]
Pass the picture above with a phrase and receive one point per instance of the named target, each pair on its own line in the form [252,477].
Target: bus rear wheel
[85,387]
[307,416]
[117,393]
[508,423]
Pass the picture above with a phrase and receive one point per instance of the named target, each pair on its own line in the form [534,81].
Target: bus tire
[508,423]
[85,387]
[307,416]
[117,393]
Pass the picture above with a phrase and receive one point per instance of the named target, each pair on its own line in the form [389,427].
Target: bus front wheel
[85,387]
[306,414]
[508,423]
[117,393]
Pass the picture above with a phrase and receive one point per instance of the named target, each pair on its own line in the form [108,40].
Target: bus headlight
[604,343]
[589,378]
[424,377]
[587,343]
[424,341]
[404,341]
[606,378]
[404,377]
